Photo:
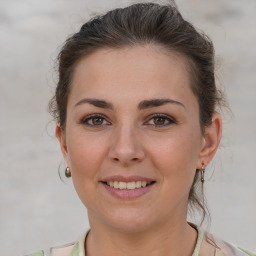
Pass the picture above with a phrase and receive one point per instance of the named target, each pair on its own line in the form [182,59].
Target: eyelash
[91,117]
[170,120]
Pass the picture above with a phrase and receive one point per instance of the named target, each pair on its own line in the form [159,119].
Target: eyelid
[171,120]
[85,119]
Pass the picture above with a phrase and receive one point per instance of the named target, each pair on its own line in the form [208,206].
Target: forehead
[146,69]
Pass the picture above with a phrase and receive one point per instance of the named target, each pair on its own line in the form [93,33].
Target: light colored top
[206,245]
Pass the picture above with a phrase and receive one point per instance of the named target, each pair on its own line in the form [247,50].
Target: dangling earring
[68,172]
[202,173]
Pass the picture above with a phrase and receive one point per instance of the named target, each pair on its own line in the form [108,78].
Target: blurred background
[38,210]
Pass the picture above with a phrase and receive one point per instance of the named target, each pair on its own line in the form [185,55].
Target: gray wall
[37,209]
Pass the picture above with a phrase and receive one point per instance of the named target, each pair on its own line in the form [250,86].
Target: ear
[211,140]
[60,134]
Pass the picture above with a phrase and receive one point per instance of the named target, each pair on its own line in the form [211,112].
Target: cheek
[177,148]
[175,157]
[85,154]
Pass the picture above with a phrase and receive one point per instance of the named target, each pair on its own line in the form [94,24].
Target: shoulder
[38,253]
[223,248]
[63,250]
[71,249]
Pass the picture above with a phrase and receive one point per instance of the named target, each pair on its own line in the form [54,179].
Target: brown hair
[140,24]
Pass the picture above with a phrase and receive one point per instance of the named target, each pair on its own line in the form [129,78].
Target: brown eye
[97,120]
[94,120]
[160,120]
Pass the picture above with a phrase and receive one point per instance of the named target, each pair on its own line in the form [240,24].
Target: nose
[126,147]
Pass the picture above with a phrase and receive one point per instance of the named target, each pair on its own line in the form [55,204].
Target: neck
[172,239]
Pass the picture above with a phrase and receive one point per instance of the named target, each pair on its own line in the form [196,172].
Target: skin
[129,141]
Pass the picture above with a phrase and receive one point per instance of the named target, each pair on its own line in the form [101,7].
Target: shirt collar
[78,249]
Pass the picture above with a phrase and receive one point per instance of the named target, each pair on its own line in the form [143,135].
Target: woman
[136,110]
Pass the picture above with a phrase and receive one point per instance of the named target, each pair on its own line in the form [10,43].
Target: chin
[130,221]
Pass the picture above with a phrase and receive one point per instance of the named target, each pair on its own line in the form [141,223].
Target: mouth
[131,185]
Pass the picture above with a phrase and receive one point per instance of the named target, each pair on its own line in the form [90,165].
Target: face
[132,138]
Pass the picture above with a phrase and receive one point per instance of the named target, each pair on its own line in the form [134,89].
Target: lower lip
[128,193]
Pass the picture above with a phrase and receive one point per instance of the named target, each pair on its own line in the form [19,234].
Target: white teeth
[122,185]
[138,184]
[127,185]
[143,183]
[131,185]
[116,184]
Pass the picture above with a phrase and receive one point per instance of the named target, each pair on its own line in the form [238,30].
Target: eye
[159,120]
[95,120]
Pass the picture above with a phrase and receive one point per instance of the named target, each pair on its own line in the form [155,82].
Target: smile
[128,185]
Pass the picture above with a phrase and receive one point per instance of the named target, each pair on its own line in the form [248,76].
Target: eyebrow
[96,102]
[145,104]
[157,103]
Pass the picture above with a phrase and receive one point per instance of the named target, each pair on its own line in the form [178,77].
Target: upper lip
[126,178]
